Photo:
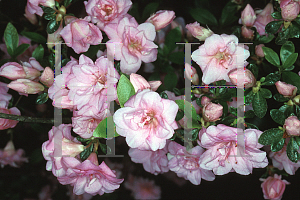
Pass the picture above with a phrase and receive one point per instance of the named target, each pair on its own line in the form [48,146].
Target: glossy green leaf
[171,38]
[290,61]
[291,78]
[259,105]
[286,50]
[265,39]
[11,39]
[86,152]
[271,56]
[21,49]
[267,94]
[273,27]
[271,79]
[101,129]
[34,37]
[170,80]
[67,2]
[292,150]
[124,90]
[280,98]
[228,14]
[42,98]
[249,114]
[277,145]
[282,37]
[38,53]
[150,9]
[270,135]
[52,26]
[249,98]
[277,116]
[276,15]
[203,16]
[177,58]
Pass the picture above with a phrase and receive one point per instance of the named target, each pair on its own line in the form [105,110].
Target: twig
[32,119]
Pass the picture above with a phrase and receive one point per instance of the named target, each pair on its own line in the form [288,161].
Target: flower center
[102,79]
[189,162]
[225,151]
[108,10]
[146,118]
[223,57]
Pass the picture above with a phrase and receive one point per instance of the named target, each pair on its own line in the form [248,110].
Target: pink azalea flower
[154,162]
[8,123]
[281,161]
[80,34]
[140,83]
[263,17]
[186,163]
[104,12]
[221,155]
[133,43]
[9,156]
[89,176]
[14,71]
[142,188]
[273,187]
[4,96]
[34,8]
[161,19]
[69,147]
[146,120]
[218,55]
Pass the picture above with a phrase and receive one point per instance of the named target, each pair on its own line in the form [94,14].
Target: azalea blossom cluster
[150,113]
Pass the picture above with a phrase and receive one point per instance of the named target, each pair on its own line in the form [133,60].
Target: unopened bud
[248,16]
[161,19]
[242,78]
[198,31]
[292,126]
[287,90]
[212,112]
[26,86]
[47,77]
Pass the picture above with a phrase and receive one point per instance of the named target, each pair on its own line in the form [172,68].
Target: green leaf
[150,9]
[105,149]
[249,114]
[228,14]
[269,136]
[280,98]
[52,26]
[124,90]
[273,27]
[249,98]
[42,98]
[203,16]
[80,139]
[179,115]
[233,110]
[254,69]
[271,56]
[252,126]
[282,37]
[271,79]
[277,116]
[86,152]
[50,16]
[181,104]
[21,49]
[225,107]
[286,50]
[101,129]
[163,95]
[277,145]
[291,78]
[171,38]
[91,53]
[48,10]
[170,80]
[34,37]
[276,15]
[259,104]
[177,57]
[267,94]
[292,150]
[265,39]
[67,2]
[11,39]
[38,53]
[298,111]
[294,30]
[228,120]
[288,111]
[290,61]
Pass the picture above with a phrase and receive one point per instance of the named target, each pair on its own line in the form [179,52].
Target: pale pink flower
[198,31]
[154,162]
[89,176]
[292,126]
[186,163]
[218,55]
[263,17]
[212,112]
[25,55]
[281,161]
[242,78]
[191,73]
[140,83]
[248,16]
[289,9]
[14,71]
[88,82]
[146,120]
[34,8]
[70,147]
[80,34]
[47,77]
[222,144]
[9,156]
[26,86]
[8,123]
[104,12]
[273,187]
[247,33]
[286,89]
[133,43]
[142,188]
[161,19]
[31,17]
[259,51]
[4,96]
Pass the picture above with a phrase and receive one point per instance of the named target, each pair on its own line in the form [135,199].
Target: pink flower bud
[71,148]
[292,126]
[242,77]
[273,187]
[191,73]
[154,85]
[14,71]
[161,19]
[198,31]
[285,89]
[139,82]
[259,51]
[247,33]
[212,112]
[8,123]
[31,17]
[205,100]
[263,18]
[47,77]
[93,158]
[290,11]
[248,16]
[26,86]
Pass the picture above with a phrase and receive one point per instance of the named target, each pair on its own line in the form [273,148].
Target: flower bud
[290,11]
[205,100]
[297,99]
[248,16]
[247,33]
[198,31]
[93,158]
[154,85]
[12,71]
[139,82]
[71,148]
[242,77]
[292,126]
[191,73]
[285,89]
[31,17]
[273,187]
[26,86]
[259,51]
[212,112]
[47,77]
[161,19]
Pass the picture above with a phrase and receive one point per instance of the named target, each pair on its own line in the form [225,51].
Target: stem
[32,119]
[18,101]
